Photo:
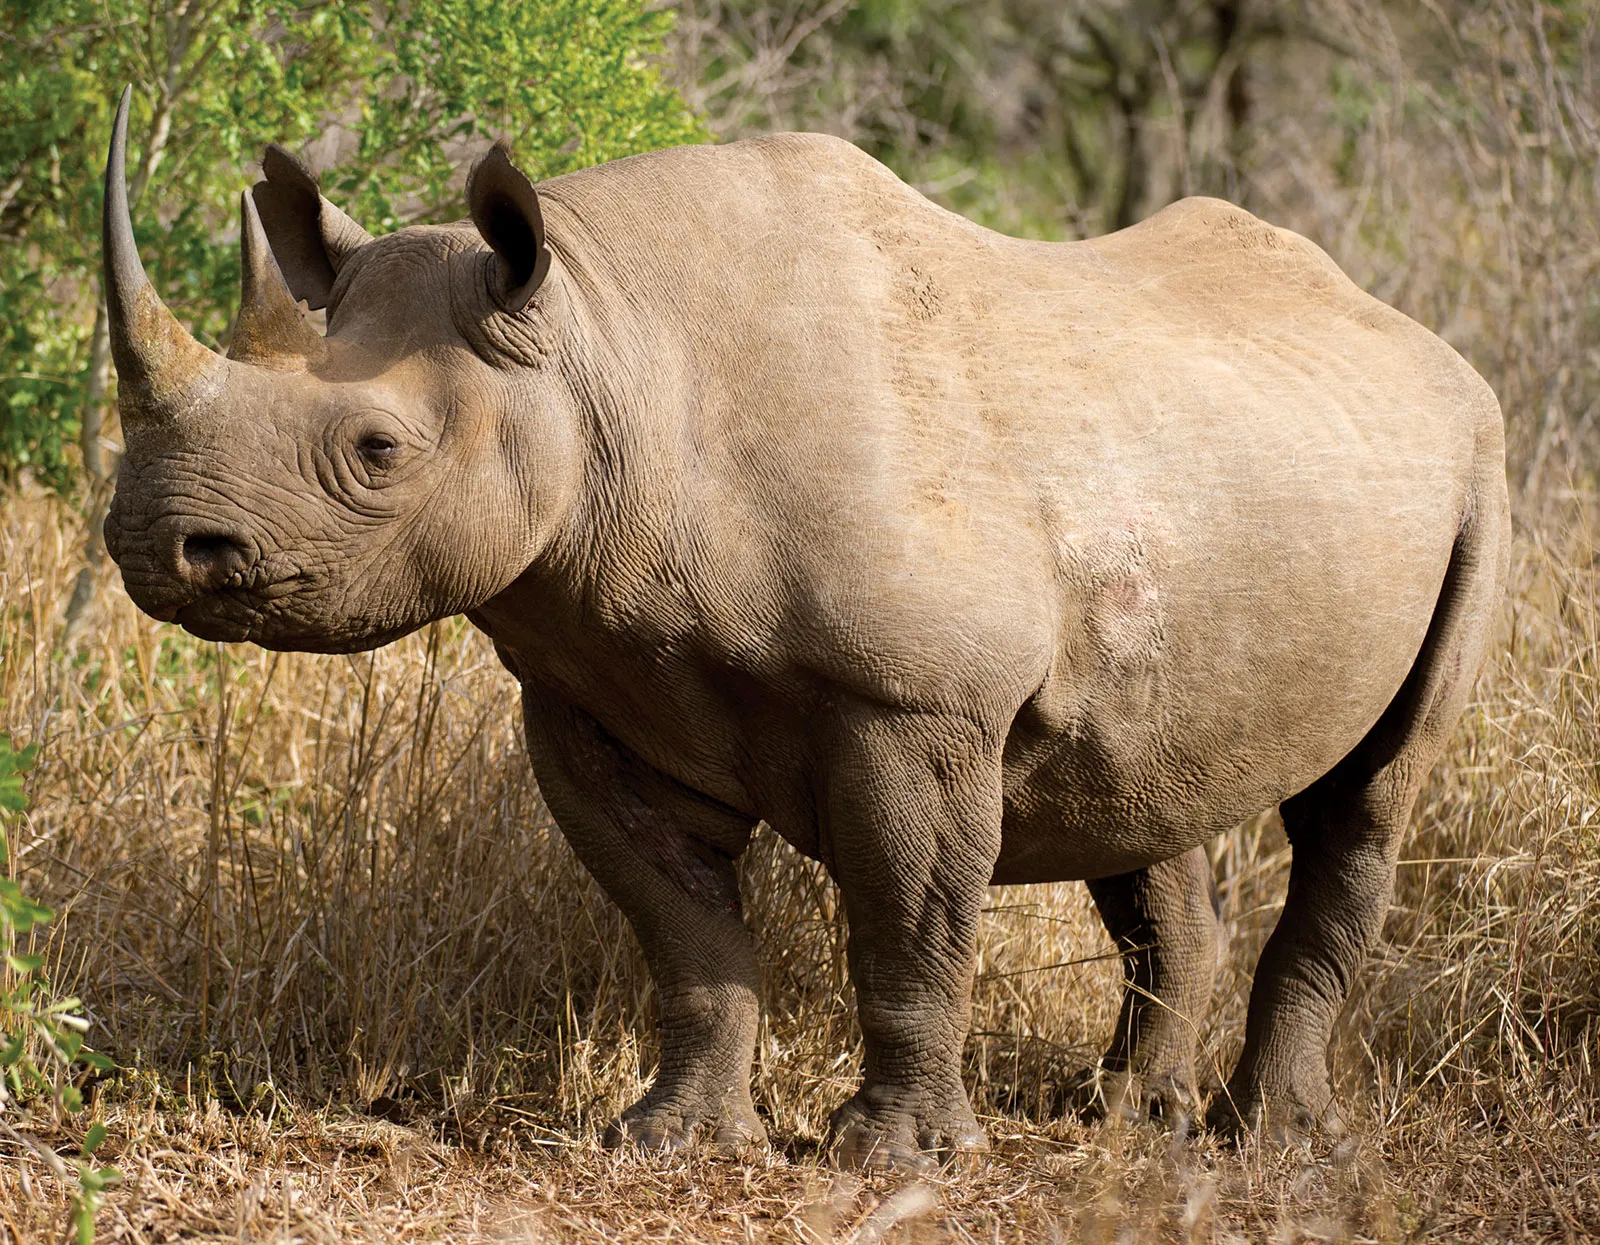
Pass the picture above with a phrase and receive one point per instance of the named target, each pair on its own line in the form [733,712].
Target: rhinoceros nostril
[214,560]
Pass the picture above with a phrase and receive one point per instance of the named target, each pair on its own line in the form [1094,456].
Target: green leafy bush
[397,96]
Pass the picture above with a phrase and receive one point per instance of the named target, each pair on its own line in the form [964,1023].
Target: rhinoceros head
[332,492]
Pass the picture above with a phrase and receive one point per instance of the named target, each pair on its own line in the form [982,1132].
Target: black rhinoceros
[789,496]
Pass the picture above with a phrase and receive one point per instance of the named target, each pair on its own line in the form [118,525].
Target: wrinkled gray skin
[787,495]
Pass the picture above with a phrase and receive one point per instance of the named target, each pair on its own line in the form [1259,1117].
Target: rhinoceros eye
[378,449]
[375,447]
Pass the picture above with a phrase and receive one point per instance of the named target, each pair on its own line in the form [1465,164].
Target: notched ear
[311,239]
[505,208]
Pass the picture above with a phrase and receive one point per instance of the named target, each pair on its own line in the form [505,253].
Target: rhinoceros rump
[787,495]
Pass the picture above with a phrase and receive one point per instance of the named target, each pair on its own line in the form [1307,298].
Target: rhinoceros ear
[310,238]
[505,208]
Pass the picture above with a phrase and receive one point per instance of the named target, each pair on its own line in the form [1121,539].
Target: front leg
[912,817]
[665,856]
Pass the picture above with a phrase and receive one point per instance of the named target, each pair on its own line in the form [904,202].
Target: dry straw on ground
[363,992]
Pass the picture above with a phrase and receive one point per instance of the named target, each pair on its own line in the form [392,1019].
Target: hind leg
[1164,920]
[1345,831]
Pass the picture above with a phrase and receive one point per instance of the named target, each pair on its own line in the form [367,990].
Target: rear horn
[270,325]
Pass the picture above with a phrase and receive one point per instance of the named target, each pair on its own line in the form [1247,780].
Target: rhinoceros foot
[1283,1119]
[883,1130]
[676,1123]
[1166,1098]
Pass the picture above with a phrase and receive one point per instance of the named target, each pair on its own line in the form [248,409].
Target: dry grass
[363,992]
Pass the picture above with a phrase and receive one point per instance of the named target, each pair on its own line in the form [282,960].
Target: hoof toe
[862,1147]
[888,1139]
[1163,1099]
[1285,1122]
[648,1134]
[667,1131]
[737,1140]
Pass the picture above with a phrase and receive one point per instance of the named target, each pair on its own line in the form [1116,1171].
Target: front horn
[158,362]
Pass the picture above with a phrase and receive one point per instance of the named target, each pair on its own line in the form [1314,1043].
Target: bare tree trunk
[97,468]
[1135,163]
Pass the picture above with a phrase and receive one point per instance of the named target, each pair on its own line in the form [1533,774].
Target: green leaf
[96,1179]
[572,82]
[18,910]
[13,765]
[93,1139]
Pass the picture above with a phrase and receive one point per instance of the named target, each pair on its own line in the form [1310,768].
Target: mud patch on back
[918,293]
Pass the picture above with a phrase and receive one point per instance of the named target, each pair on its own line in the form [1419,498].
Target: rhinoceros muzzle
[179,564]
[233,611]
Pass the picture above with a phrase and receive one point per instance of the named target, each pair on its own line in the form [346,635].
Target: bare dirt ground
[1447,1170]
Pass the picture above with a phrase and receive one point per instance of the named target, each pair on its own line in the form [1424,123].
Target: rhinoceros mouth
[235,616]
[234,612]
[208,625]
